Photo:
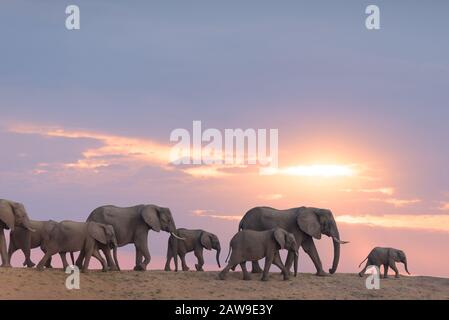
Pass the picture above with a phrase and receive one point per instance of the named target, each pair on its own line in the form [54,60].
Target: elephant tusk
[174,235]
[340,241]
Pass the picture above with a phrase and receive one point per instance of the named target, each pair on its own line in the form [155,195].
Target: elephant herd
[262,232]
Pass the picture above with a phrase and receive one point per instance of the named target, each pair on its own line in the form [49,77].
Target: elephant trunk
[405,265]
[295,266]
[218,257]
[336,240]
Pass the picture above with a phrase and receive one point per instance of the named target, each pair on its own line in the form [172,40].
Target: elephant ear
[7,214]
[308,222]
[279,236]
[97,231]
[151,217]
[206,241]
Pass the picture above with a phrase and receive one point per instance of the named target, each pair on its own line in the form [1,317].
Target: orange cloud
[314,170]
[274,196]
[212,214]
[115,149]
[385,190]
[431,222]
[444,206]
[397,202]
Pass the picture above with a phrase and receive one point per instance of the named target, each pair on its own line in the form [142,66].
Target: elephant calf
[250,245]
[386,257]
[71,236]
[25,240]
[194,240]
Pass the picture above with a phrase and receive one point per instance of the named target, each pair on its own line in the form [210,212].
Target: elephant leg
[169,257]
[63,256]
[385,270]
[199,256]
[246,275]
[278,262]
[184,266]
[141,244]
[48,264]
[89,252]
[309,247]
[27,251]
[96,254]
[266,269]
[256,267]
[107,253]
[139,258]
[393,266]
[11,249]
[224,272]
[45,258]
[79,260]
[3,250]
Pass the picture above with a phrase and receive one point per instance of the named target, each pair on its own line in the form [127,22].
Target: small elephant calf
[71,236]
[386,257]
[194,240]
[250,245]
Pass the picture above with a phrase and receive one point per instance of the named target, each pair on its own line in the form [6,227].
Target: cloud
[397,202]
[444,206]
[430,222]
[274,196]
[315,170]
[214,215]
[385,190]
[114,149]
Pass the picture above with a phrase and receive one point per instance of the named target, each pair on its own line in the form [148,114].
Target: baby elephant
[71,236]
[250,245]
[386,257]
[194,240]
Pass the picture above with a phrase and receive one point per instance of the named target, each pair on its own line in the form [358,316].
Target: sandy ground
[21,283]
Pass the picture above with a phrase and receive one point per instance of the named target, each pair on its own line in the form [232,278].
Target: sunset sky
[86,116]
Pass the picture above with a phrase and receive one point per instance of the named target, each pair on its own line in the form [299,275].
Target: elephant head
[287,241]
[104,234]
[159,218]
[315,222]
[210,241]
[13,214]
[399,256]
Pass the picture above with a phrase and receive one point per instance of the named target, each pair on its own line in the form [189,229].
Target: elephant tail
[229,253]
[362,261]
[73,258]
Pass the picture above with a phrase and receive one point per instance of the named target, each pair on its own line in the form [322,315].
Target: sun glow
[316,170]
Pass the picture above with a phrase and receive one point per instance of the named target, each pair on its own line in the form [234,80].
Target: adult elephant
[305,223]
[131,225]
[21,238]
[12,214]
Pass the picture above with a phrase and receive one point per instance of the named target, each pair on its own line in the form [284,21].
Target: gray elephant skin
[305,223]
[250,245]
[196,241]
[23,239]
[12,215]
[73,236]
[386,257]
[131,225]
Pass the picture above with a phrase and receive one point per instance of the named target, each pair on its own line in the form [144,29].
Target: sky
[86,116]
